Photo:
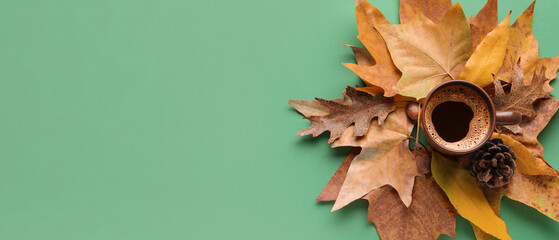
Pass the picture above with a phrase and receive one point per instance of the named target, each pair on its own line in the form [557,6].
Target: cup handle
[508,118]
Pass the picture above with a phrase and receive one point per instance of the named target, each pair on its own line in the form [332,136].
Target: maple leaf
[465,195]
[385,159]
[523,45]
[488,56]
[362,109]
[434,9]
[332,188]
[383,73]
[484,22]
[521,97]
[427,52]
[429,215]
[538,192]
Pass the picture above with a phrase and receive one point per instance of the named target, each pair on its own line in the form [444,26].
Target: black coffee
[457,118]
[452,120]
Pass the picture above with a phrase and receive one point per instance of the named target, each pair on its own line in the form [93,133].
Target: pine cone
[493,165]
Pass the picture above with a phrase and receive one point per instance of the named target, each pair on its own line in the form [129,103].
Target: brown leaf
[385,159]
[521,97]
[429,215]
[484,22]
[362,56]
[422,159]
[433,9]
[331,190]
[384,73]
[538,192]
[361,111]
[313,107]
[427,52]
[545,110]
[523,45]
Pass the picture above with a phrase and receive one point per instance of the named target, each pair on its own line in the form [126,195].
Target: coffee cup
[458,117]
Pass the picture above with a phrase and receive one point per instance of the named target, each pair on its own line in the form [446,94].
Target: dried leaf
[523,45]
[484,22]
[427,52]
[545,110]
[362,56]
[331,190]
[385,159]
[488,56]
[464,193]
[361,111]
[313,107]
[538,192]
[493,196]
[526,163]
[521,96]
[429,215]
[434,9]
[384,73]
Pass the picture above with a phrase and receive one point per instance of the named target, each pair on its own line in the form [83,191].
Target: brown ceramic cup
[458,117]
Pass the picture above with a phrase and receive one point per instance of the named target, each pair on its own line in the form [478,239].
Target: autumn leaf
[314,108]
[332,189]
[385,159]
[362,56]
[538,192]
[526,163]
[429,215]
[383,73]
[484,22]
[427,52]
[433,9]
[521,97]
[464,193]
[523,45]
[488,56]
[545,110]
[362,109]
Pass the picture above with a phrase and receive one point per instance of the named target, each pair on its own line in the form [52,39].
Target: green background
[169,119]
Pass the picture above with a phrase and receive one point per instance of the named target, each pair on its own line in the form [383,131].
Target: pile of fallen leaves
[434,43]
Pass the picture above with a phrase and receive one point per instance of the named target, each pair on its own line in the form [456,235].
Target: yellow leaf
[526,162]
[464,193]
[488,56]
[427,52]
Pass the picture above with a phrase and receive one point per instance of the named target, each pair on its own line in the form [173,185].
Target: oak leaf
[488,56]
[427,52]
[528,137]
[383,73]
[521,97]
[429,215]
[433,9]
[465,195]
[484,22]
[526,162]
[362,109]
[523,45]
[385,159]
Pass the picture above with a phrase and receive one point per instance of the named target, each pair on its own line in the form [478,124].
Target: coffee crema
[456,136]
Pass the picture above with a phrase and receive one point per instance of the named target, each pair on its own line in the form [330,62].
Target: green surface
[169,119]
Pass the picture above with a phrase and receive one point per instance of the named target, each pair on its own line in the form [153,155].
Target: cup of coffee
[458,117]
